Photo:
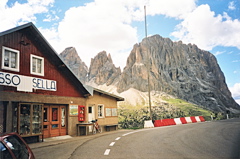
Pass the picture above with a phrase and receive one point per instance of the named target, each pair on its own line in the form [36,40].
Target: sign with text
[26,83]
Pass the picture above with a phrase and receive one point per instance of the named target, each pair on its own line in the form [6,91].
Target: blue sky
[92,26]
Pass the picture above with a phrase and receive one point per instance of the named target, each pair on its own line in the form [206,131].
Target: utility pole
[148,65]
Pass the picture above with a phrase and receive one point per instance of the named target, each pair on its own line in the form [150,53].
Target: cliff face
[184,71]
[71,58]
[102,70]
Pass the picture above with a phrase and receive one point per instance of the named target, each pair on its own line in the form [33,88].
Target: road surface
[208,140]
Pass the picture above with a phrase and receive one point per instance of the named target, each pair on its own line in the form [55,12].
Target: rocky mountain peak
[72,59]
[102,70]
[184,71]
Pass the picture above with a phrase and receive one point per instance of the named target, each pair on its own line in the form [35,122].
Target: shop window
[25,119]
[37,65]
[100,111]
[10,59]
[37,119]
[30,119]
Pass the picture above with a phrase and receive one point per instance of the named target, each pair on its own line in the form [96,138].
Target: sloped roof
[30,30]
[92,89]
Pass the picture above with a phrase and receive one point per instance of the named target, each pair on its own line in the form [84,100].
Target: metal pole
[148,66]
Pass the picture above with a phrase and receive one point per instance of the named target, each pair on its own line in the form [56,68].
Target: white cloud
[17,14]
[106,25]
[219,53]
[238,101]
[171,8]
[235,90]
[231,5]
[98,26]
[236,61]
[51,35]
[51,16]
[207,30]
[235,72]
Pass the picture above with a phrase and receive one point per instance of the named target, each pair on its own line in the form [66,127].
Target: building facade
[39,94]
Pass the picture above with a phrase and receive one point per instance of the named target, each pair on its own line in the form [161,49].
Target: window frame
[102,111]
[17,59]
[42,65]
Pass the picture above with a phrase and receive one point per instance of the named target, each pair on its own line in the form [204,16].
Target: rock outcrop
[71,58]
[184,71]
[181,70]
[102,70]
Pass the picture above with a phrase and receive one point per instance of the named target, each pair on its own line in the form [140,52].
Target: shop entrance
[54,120]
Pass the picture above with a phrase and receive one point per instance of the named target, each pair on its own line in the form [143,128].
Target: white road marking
[112,144]
[118,138]
[107,152]
[146,129]
[128,133]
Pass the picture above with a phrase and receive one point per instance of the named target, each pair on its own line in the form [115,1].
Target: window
[111,112]
[10,59]
[90,110]
[100,111]
[54,114]
[37,65]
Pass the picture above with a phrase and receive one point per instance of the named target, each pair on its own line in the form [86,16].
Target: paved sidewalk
[67,138]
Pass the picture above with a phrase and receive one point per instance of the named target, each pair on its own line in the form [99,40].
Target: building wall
[108,102]
[51,72]
[10,99]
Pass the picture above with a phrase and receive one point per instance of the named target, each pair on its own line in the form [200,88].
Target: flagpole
[148,66]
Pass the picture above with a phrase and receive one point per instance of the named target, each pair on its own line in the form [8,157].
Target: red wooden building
[36,86]
[40,95]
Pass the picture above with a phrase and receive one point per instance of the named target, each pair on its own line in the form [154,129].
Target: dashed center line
[112,144]
[107,152]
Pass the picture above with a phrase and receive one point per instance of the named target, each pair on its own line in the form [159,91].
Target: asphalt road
[208,140]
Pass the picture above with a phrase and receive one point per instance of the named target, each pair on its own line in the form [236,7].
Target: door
[46,121]
[91,113]
[54,121]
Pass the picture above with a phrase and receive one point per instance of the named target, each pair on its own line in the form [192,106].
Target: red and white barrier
[177,121]
[201,118]
[188,119]
[197,119]
[183,120]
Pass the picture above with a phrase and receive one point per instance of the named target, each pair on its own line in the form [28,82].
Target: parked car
[12,146]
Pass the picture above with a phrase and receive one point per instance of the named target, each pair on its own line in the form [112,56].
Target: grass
[133,117]
[189,109]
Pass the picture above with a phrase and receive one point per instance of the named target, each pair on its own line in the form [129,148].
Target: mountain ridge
[181,70]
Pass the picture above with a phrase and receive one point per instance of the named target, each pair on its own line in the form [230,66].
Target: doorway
[54,120]
[91,112]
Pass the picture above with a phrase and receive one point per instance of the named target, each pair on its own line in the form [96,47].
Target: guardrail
[177,121]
